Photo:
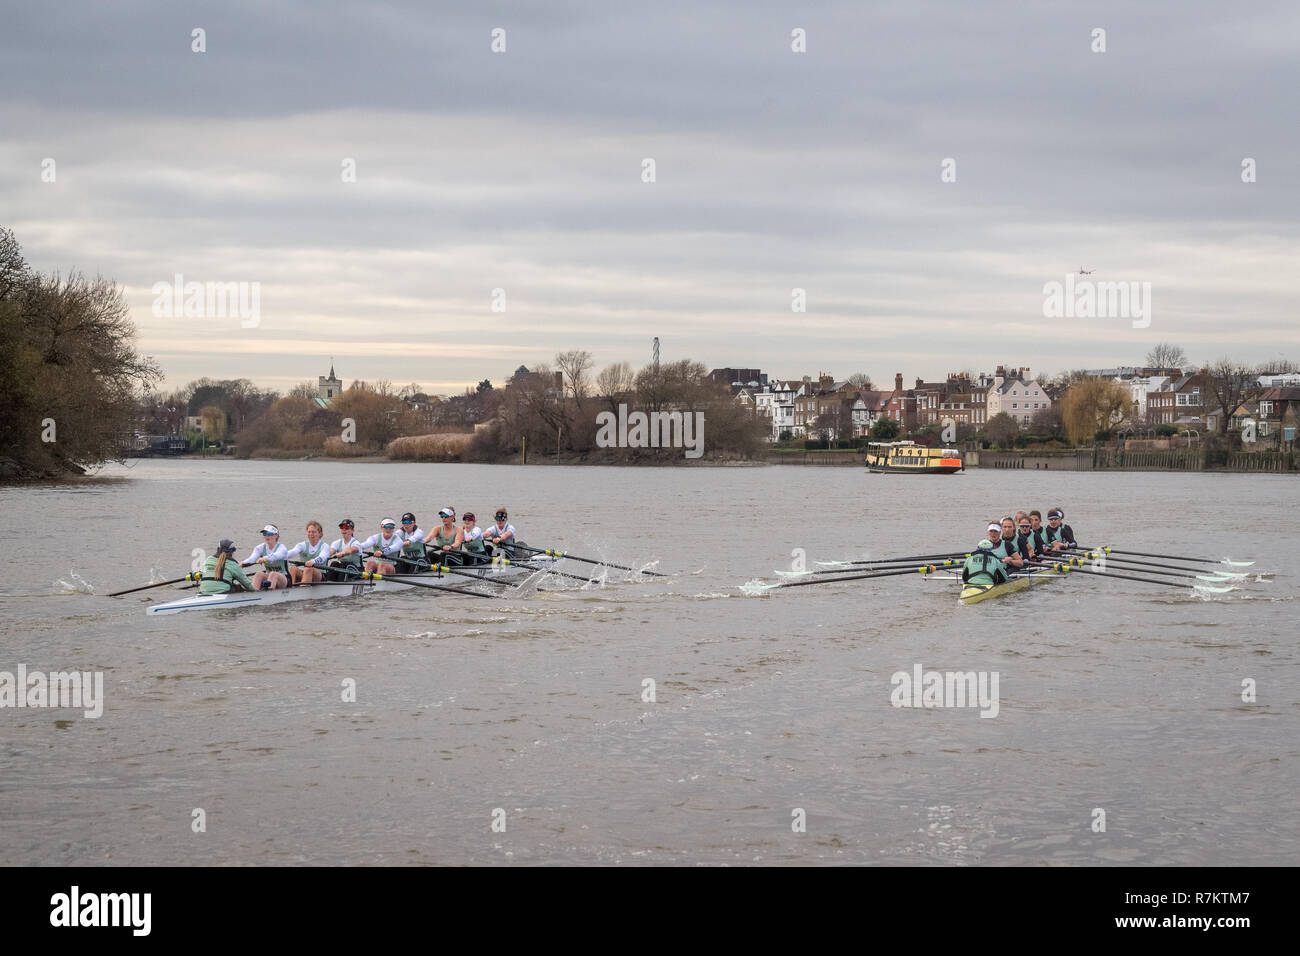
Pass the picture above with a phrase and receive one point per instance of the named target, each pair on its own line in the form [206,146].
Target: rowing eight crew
[1017,543]
[384,552]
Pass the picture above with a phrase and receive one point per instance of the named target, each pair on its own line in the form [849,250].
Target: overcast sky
[522,170]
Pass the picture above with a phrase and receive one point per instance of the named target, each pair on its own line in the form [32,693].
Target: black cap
[347,523]
[408,517]
[227,546]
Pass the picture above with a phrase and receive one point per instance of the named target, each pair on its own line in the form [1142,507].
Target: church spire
[331,368]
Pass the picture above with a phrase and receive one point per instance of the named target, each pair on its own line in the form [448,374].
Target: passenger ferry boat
[909,457]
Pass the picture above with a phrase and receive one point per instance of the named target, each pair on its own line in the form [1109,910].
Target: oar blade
[1207,589]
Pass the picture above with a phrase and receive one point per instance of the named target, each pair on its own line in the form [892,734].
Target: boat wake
[77,585]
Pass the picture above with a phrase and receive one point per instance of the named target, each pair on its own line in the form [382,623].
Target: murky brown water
[1120,696]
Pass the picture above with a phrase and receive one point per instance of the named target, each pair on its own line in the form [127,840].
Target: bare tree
[614,382]
[1228,382]
[861,380]
[576,366]
[1166,355]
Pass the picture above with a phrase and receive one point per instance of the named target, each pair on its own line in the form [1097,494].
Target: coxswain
[412,557]
[982,567]
[501,536]
[272,560]
[345,553]
[383,547]
[314,553]
[221,575]
[1060,536]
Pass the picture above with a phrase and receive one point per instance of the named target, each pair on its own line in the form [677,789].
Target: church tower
[329,388]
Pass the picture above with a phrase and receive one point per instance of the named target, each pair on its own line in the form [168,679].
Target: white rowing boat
[495,573]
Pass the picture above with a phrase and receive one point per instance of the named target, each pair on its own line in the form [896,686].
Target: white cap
[994,527]
[270,529]
[388,521]
[446,513]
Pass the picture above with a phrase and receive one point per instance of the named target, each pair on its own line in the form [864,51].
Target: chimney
[1002,370]
[559,380]
[898,382]
[920,382]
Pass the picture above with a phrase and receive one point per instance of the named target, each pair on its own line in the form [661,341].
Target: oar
[538,567]
[1170,584]
[192,576]
[873,566]
[1098,557]
[406,579]
[1217,578]
[908,558]
[574,557]
[758,585]
[444,569]
[1180,557]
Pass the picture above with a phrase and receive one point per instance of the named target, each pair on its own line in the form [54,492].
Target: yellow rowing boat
[974,593]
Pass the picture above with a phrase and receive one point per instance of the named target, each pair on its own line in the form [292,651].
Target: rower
[1025,539]
[471,539]
[273,558]
[1059,536]
[501,536]
[412,557]
[447,537]
[315,555]
[1007,549]
[220,575]
[994,534]
[982,566]
[345,553]
[382,547]
[1038,533]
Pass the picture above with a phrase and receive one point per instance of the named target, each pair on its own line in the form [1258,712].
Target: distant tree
[1278,366]
[885,429]
[1001,430]
[614,382]
[1093,405]
[484,386]
[861,380]
[1166,355]
[1047,422]
[213,420]
[70,378]
[1228,383]
[304,390]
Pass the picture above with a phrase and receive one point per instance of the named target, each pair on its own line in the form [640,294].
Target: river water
[769,710]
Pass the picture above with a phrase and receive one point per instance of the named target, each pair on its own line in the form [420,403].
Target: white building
[1015,392]
[1138,387]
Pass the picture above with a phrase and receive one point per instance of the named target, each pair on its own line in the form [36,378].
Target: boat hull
[237,599]
[946,466]
[975,593]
